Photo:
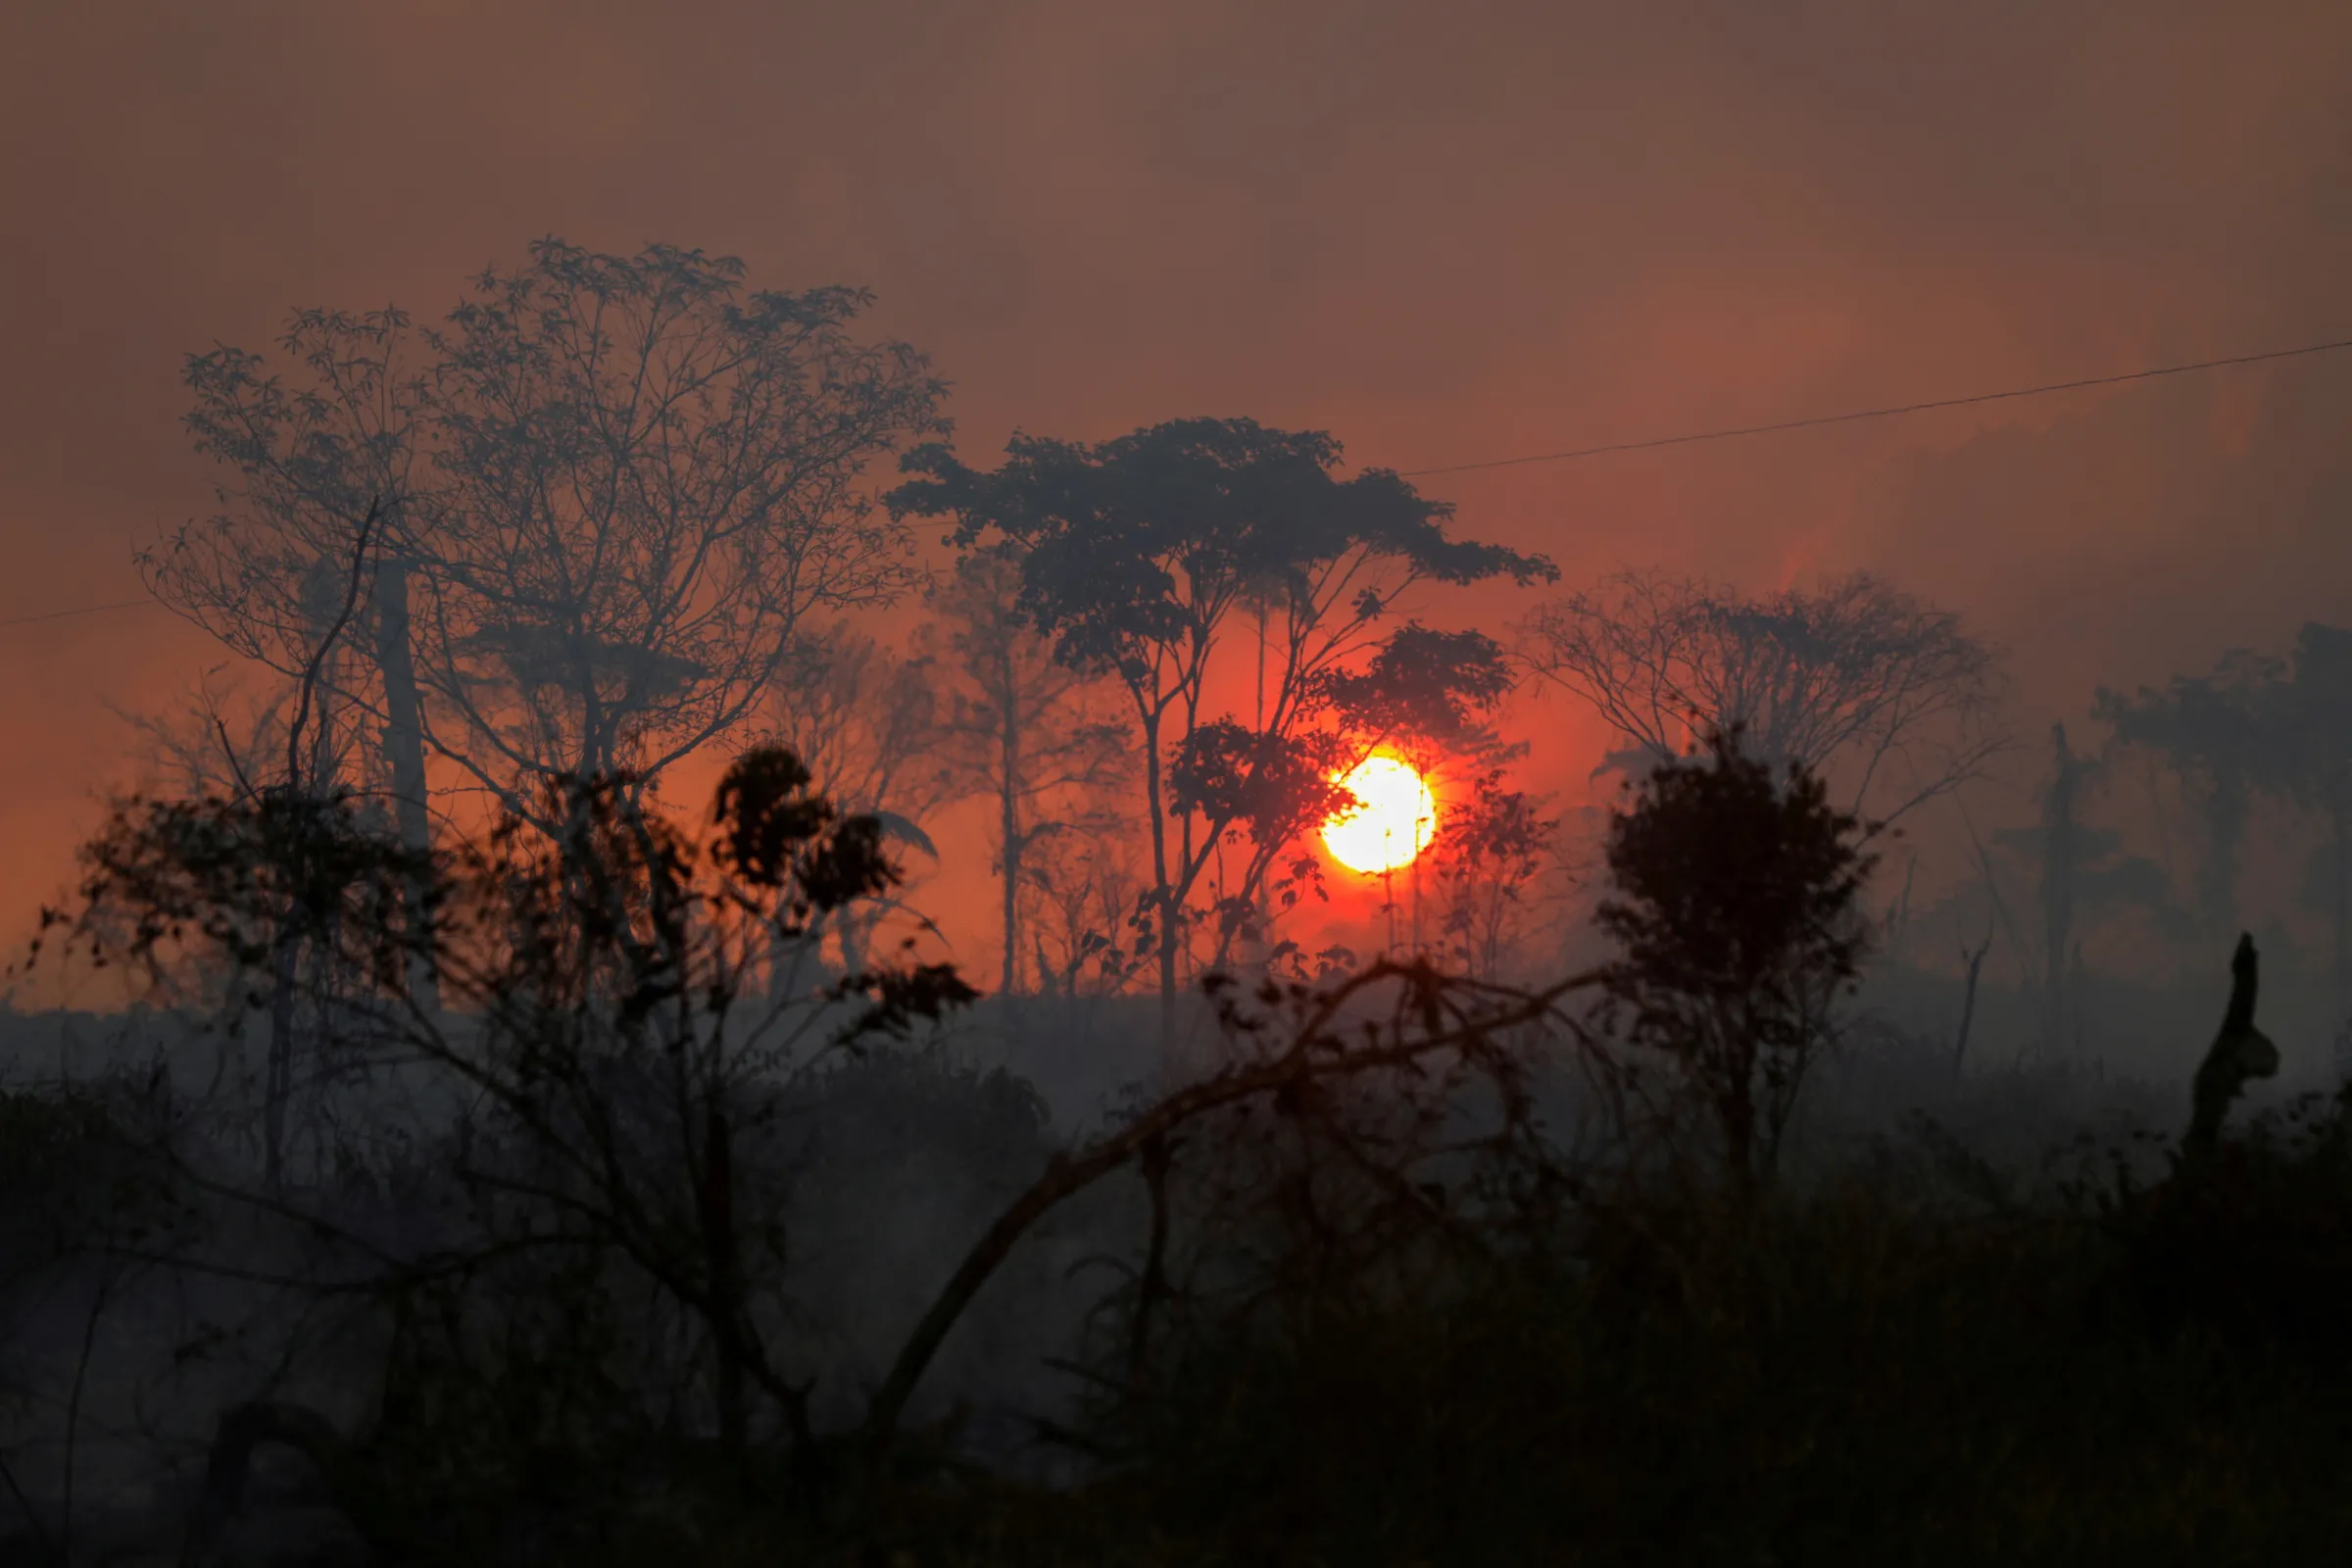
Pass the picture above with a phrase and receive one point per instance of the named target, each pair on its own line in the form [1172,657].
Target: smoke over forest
[1147,784]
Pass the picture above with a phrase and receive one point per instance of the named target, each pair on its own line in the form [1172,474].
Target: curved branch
[1312,1057]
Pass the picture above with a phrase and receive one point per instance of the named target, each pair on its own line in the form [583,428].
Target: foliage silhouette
[625,1005]
[2213,730]
[1137,555]
[1732,898]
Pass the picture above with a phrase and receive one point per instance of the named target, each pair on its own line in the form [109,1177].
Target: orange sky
[1444,232]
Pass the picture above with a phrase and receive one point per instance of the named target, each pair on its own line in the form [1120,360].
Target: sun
[1395,821]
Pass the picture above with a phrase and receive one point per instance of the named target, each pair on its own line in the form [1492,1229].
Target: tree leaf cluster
[1733,900]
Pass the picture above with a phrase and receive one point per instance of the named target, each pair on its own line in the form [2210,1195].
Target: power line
[1880,413]
[84,610]
[1654,442]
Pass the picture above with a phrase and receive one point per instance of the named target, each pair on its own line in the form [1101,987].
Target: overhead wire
[81,610]
[1887,412]
[1691,438]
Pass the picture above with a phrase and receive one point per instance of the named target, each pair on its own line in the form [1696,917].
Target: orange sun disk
[1394,820]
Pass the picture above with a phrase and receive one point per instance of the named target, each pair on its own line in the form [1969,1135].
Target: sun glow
[1395,821]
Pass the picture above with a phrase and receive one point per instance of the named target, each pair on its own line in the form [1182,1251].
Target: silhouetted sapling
[1733,903]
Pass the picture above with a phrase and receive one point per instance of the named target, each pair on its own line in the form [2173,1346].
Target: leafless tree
[611,488]
[1858,681]
[221,730]
[645,480]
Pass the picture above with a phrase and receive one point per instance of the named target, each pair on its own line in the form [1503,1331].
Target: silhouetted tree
[288,831]
[1733,903]
[1021,728]
[1858,681]
[612,485]
[2083,876]
[1082,888]
[2315,712]
[1138,554]
[1428,694]
[2259,724]
[629,1008]
[1430,697]
[644,480]
[2219,734]
[2061,827]
[264,575]
[1484,866]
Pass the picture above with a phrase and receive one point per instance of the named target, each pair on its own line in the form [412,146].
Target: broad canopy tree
[1142,555]
[2215,731]
[2258,724]
[2318,719]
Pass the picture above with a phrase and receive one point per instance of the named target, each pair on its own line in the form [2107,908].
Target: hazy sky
[1446,232]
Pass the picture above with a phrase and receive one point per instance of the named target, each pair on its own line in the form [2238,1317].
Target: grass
[1853,1374]
[1897,1362]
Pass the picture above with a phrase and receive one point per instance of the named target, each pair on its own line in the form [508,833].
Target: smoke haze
[1446,234]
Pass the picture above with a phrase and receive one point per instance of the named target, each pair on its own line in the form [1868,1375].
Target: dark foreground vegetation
[580,1211]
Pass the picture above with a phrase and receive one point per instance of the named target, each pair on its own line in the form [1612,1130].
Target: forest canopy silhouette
[496,1157]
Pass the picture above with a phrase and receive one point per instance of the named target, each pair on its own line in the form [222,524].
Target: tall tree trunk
[404,753]
[324,773]
[325,778]
[1009,983]
[1009,800]
[1162,892]
[1975,959]
[853,940]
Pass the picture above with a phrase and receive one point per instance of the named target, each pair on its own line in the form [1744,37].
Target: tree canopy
[1138,554]
[613,485]
[1732,902]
